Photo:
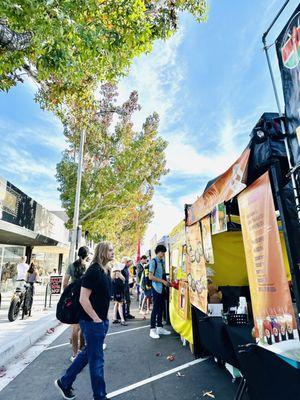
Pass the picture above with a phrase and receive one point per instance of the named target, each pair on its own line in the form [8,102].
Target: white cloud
[167,215]
[157,77]
[30,170]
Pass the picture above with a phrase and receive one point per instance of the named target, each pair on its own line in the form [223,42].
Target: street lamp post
[77,198]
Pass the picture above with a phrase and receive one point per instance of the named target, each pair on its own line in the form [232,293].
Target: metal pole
[77,199]
[46,295]
[288,152]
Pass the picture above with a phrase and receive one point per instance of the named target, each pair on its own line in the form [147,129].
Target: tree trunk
[13,41]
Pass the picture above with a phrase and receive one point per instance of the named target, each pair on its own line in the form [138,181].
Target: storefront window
[47,263]
[10,257]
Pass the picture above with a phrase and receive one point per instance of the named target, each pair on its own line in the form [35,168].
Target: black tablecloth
[222,340]
[268,377]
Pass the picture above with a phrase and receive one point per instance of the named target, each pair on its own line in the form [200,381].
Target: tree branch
[12,40]
[93,211]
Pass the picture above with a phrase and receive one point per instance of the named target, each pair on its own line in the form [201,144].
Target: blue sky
[209,83]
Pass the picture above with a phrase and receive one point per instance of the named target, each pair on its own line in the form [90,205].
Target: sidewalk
[17,336]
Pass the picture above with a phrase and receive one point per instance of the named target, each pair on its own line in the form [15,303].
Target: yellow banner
[271,300]
[196,268]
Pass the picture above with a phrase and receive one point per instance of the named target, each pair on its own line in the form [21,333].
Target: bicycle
[21,299]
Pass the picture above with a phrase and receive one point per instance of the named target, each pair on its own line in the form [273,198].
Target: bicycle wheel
[14,309]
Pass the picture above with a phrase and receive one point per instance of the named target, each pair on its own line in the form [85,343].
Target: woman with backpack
[118,285]
[74,272]
[95,297]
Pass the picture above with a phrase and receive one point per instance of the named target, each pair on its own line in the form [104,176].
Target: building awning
[17,235]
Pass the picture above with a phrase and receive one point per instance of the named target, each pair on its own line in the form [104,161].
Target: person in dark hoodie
[125,272]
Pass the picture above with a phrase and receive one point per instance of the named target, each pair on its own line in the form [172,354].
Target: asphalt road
[131,357]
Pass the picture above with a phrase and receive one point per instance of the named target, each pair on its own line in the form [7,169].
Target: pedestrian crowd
[102,280]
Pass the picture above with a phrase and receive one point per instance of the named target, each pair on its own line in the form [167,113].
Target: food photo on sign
[219,219]
[207,240]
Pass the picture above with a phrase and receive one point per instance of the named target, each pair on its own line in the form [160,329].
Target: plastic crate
[235,319]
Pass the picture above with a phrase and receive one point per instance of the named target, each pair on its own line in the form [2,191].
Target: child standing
[118,282]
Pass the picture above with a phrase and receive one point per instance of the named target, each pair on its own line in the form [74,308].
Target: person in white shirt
[22,269]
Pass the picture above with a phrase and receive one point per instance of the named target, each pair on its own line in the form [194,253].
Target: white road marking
[109,334]
[128,330]
[16,367]
[154,378]
[59,345]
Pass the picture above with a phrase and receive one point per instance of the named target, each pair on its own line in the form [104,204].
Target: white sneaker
[104,346]
[162,331]
[154,334]
[72,358]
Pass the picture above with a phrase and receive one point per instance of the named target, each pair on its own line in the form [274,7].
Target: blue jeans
[92,354]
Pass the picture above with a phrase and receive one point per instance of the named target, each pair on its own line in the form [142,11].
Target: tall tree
[121,168]
[68,44]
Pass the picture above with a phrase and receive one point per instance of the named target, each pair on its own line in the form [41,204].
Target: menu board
[271,300]
[196,271]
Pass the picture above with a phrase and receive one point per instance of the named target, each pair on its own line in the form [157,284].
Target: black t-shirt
[99,282]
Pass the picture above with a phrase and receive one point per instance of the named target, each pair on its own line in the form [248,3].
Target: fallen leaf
[171,358]
[209,394]
[2,372]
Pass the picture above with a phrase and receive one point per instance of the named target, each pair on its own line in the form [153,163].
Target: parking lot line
[154,378]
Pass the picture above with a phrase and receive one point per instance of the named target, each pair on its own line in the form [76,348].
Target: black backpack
[146,283]
[68,306]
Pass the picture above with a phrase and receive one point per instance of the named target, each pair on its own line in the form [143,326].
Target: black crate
[235,319]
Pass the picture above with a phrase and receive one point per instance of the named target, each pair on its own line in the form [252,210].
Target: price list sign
[268,283]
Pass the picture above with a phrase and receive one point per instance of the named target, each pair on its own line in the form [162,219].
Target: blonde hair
[125,260]
[101,254]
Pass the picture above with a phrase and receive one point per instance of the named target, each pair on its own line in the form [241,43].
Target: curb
[24,340]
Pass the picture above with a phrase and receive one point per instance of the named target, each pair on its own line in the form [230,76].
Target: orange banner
[196,271]
[271,300]
[225,188]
